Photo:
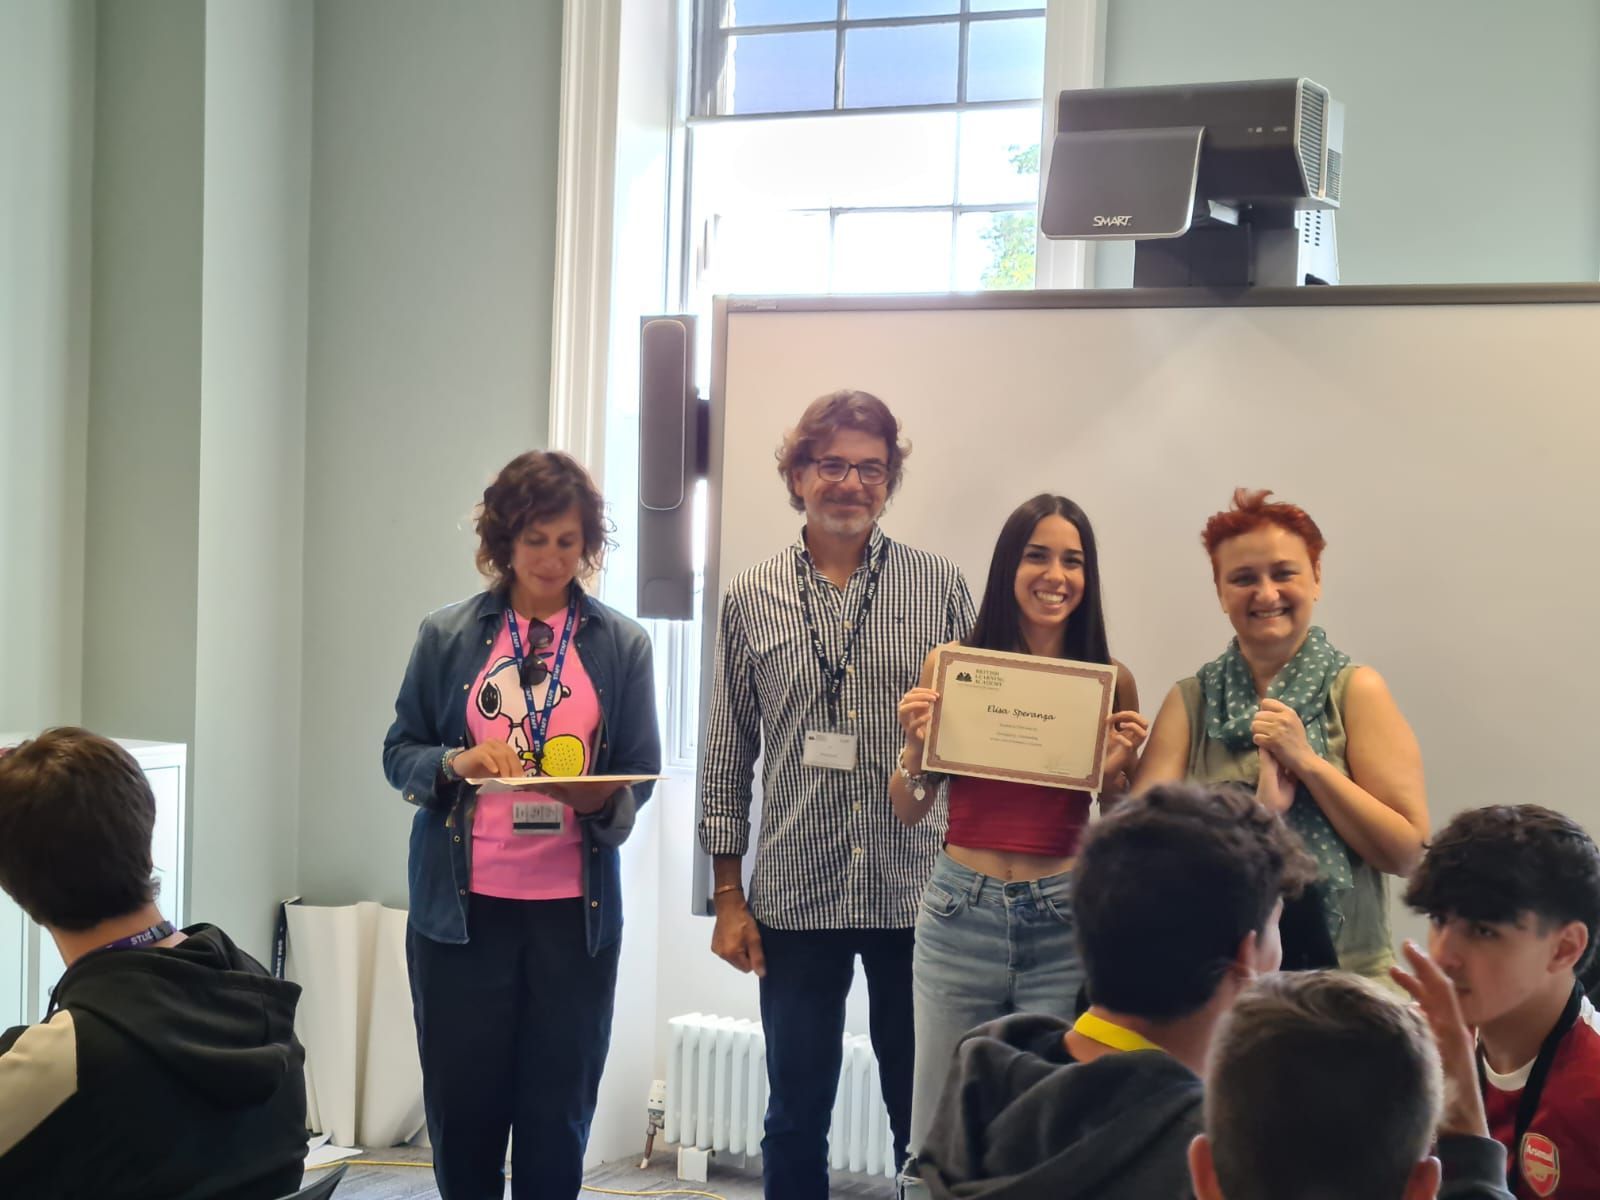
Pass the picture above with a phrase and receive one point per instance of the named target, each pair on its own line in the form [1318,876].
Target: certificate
[1020,717]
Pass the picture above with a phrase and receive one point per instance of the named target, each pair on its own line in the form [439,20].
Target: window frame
[594,170]
[710,45]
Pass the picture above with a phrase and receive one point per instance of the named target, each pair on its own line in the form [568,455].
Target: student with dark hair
[1176,902]
[167,1064]
[1322,1085]
[995,932]
[1512,894]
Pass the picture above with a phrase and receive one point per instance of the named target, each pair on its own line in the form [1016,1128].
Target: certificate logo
[963,676]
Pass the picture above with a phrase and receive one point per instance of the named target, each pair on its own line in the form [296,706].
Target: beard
[846,523]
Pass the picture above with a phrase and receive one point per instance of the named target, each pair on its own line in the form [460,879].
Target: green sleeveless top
[1363,941]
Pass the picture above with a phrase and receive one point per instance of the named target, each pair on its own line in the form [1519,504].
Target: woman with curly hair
[516,919]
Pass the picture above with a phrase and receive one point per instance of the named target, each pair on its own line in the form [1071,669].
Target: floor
[727,1181]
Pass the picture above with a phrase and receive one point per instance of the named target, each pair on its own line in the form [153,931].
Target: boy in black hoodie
[1176,897]
[167,1066]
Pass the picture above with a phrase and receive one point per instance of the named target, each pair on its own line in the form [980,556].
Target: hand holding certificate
[1020,717]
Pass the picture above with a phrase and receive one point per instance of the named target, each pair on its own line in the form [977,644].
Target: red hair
[1252,511]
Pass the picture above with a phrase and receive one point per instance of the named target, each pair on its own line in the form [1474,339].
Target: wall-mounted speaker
[671,439]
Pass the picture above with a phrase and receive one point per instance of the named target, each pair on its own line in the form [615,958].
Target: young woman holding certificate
[1319,737]
[995,933]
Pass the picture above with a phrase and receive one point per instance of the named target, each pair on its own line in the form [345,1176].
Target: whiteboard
[1445,439]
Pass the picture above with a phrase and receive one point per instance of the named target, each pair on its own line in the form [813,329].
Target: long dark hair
[999,623]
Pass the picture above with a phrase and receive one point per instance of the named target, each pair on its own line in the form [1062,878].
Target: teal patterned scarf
[1303,684]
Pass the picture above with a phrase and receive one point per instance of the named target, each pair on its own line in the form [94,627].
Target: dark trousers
[802,1016]
[513,1029]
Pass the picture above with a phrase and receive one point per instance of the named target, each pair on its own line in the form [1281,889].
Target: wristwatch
[917,783]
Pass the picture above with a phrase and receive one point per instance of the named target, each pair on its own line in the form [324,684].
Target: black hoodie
[165,1073]
[1021,1119]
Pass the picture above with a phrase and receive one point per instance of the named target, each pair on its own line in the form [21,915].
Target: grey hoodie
[1020,1119]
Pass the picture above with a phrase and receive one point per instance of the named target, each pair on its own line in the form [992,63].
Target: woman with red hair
[1319,737]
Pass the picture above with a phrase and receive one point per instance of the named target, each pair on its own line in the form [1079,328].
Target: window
[846,146]
[864,146]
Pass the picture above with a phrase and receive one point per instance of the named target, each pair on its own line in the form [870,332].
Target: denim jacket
[430,717]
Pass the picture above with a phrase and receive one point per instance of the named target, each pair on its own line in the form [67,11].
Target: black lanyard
[833,674]
[1528,1104]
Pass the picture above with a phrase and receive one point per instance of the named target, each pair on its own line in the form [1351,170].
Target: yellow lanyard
[1109,1033]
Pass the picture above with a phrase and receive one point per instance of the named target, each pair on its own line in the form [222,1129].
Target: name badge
[537,818]
[830,751]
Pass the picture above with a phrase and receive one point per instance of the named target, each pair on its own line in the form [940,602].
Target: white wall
[432,251]
[46,149]
[1472,136]
[46,145]
[144,397]
[257,163]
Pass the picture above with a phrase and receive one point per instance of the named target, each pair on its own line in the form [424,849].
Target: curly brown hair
[823,419]
[538,486]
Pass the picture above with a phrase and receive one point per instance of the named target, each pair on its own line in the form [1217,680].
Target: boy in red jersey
[1512,893]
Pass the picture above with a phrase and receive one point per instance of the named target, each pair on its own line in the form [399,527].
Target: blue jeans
[985,948]
[513,1028]
[802,1016]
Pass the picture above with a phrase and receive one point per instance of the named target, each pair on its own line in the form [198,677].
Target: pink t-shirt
[544,865]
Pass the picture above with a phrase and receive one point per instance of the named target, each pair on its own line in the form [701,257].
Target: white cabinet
[29,964]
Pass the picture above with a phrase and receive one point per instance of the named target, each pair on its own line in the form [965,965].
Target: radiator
[717,1094]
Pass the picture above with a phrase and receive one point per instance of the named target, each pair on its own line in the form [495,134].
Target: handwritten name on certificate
[1020,717]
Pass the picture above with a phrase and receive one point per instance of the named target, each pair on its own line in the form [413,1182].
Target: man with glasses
[816,645]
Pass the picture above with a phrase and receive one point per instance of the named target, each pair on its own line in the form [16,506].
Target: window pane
[1000,156]
[994,251]
[756,253]
[1005,59]
[908,64]
[778,72]
[863,160]
[860,10]
[1005,5]
[891,252]
[778,12]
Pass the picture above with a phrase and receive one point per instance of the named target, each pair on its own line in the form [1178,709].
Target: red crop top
[1023,818]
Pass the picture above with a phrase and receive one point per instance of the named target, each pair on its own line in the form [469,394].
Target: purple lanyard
[134,941]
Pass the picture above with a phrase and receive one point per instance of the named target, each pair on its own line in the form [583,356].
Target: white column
[591,37]
[1074,57]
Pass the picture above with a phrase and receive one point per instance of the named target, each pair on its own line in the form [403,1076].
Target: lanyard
[537,724]
[159,932]
[833,674]
[1528,1103]
[1109,1033]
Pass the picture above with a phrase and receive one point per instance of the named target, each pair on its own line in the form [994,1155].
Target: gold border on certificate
[988,671]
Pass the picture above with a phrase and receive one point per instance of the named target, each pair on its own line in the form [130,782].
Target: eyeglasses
[534,671]
[872,473]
